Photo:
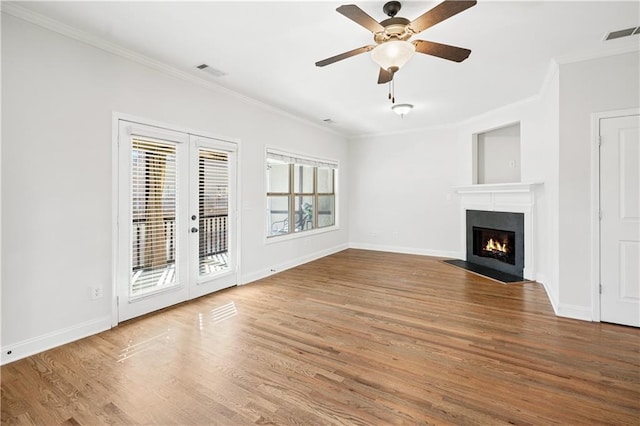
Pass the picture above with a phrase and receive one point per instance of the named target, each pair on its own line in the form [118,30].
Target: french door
[176,217]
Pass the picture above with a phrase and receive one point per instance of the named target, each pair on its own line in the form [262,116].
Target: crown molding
[492,112]
[629,47]
[552,70]
[13,9]
[404,132]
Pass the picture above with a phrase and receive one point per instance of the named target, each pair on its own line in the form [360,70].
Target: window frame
[293,160]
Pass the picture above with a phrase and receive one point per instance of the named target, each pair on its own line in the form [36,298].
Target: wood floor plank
[358,338]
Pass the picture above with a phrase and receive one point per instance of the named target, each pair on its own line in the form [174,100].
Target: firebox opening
[494,243]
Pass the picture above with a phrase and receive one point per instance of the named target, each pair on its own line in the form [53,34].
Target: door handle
[194,229]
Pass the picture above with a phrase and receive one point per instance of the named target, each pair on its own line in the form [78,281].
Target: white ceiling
[268,51]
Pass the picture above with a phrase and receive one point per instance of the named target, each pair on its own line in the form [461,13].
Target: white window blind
[297,159]
[153,215]
[213,184]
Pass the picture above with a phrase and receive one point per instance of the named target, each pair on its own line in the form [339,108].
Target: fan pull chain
[392,91]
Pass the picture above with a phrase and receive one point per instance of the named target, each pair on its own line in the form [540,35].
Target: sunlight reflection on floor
[218,314]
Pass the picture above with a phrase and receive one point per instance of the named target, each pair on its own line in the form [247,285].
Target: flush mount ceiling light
[402,109]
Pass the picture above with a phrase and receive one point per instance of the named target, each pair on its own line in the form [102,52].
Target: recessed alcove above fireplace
[502,213]
[496,155]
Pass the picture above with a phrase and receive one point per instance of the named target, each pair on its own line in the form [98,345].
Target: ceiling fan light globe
[394,53]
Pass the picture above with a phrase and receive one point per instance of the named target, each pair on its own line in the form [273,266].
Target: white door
[212,215]
[620,223]
[176,218]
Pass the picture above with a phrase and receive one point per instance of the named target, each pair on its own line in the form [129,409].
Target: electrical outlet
[96,292]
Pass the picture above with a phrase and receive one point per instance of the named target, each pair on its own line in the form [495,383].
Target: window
[301,193]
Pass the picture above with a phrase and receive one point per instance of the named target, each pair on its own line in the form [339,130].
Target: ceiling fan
[393,49]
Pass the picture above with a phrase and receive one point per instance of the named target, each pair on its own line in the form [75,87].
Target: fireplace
[517,198]
[496,240]
[494,243]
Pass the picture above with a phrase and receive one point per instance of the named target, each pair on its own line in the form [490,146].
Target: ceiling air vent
[214,72]
[623,33]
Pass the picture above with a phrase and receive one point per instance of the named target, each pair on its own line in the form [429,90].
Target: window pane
[326,210]
[325,180]
[278,215]
[303,179]
[277,176]
[304,213]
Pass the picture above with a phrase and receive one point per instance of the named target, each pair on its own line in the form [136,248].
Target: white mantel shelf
[517,197]
[497,187]
[509,197]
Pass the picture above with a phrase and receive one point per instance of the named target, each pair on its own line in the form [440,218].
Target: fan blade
[444,10]
[359,16]
[344,55]
[444,51]
[385,76]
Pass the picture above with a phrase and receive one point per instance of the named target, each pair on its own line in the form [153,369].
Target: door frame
[115,200]
[595,203]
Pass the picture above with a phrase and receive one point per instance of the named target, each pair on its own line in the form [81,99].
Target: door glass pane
[278,215]
[213,192]
[303,179]
[304,213]
[153,203]
[277,176]
[326,210]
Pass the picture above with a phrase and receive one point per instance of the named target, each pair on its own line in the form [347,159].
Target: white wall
[401,190]
[541,152]
[58,98]
[586,87]
[538,157]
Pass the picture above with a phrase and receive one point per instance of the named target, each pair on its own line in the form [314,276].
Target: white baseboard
[574,312]
[25,348]
[542,279]
[257,275]
[565,310]
[407,250]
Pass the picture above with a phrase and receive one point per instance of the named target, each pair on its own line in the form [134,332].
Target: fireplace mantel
[504,197]
[498,196]
[498,187]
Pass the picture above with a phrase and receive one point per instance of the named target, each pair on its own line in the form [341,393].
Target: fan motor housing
[392,8]
[394,28]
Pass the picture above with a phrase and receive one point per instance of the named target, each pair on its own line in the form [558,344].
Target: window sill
[302,234]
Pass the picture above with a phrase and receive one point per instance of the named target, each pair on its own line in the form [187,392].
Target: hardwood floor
[360,337]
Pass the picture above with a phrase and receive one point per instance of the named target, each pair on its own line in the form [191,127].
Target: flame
[495,246]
